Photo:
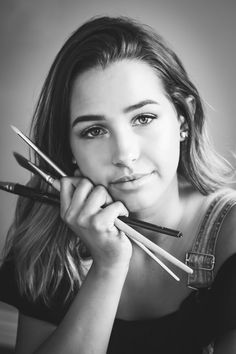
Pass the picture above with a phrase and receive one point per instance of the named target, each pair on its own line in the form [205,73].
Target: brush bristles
[23,162]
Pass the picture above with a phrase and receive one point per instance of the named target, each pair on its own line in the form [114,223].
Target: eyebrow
[139,105]
[97,117]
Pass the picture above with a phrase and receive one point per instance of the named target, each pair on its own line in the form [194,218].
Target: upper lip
[127,178]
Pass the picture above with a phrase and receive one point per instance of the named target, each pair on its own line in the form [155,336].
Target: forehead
[120,84]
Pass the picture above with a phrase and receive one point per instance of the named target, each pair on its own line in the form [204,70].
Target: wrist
[114,270]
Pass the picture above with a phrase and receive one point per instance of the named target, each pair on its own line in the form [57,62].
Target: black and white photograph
[118,177]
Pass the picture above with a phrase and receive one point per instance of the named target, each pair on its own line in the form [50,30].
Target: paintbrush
[28,165]
[133,234]
[56,184]
[39,152]
[118,223]
[23,162]
[28,192]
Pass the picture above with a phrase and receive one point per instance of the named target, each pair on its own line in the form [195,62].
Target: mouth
[129,178]
[132,181]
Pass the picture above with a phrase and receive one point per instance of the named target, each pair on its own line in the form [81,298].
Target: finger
[104,220]
[67,187]
[80,195]
[98,198]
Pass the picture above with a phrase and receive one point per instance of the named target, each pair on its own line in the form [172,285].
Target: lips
[132,183]
[130,178]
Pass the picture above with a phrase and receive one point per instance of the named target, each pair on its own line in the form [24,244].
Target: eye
[144,119]
[93,132]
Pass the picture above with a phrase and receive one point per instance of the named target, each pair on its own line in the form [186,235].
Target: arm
[88,323]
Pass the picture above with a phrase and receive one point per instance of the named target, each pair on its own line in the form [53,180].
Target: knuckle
[81,220]
[83,184]
[121,208]
[102,226]
[119,205]
[65,181]
[62,214]
[69,217]
[84,181]
[97,223]
[99,189]
[72,219]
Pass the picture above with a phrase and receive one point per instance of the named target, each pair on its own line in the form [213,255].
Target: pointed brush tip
[16,154]
[16,130]
[19,158]
[23,162]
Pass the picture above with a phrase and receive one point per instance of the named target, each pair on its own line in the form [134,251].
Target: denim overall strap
[201,258]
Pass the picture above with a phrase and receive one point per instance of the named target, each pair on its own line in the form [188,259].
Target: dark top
[204,315]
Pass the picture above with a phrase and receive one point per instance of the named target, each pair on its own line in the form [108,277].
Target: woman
[119,114]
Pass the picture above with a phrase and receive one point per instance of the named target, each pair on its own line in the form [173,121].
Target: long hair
[42,245]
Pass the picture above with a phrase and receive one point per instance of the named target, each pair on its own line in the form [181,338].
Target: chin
[136,204]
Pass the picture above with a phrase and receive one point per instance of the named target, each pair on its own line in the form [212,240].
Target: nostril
[125,155]
[125,160]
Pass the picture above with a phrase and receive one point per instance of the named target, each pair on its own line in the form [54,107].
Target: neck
[181,209]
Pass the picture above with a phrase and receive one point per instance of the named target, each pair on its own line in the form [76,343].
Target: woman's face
[125,133]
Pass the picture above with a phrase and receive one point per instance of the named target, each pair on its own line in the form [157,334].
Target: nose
[126,149]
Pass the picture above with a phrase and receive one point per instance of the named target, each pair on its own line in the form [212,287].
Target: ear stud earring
[184,134]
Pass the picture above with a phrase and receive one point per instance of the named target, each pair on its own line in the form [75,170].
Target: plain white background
[202,33]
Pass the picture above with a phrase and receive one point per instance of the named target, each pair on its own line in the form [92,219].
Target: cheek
[164,149]
[90,163]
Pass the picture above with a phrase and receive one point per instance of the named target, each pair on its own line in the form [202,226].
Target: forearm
[87,326]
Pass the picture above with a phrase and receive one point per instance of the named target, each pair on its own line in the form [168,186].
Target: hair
[43,246]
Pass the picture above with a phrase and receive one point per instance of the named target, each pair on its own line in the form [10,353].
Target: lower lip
[134,184]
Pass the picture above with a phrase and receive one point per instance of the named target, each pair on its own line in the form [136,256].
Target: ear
[77,173]
[184,128]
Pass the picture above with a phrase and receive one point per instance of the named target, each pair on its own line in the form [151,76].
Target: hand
[81,210]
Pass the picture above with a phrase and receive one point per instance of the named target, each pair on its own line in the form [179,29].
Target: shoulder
[226,243]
